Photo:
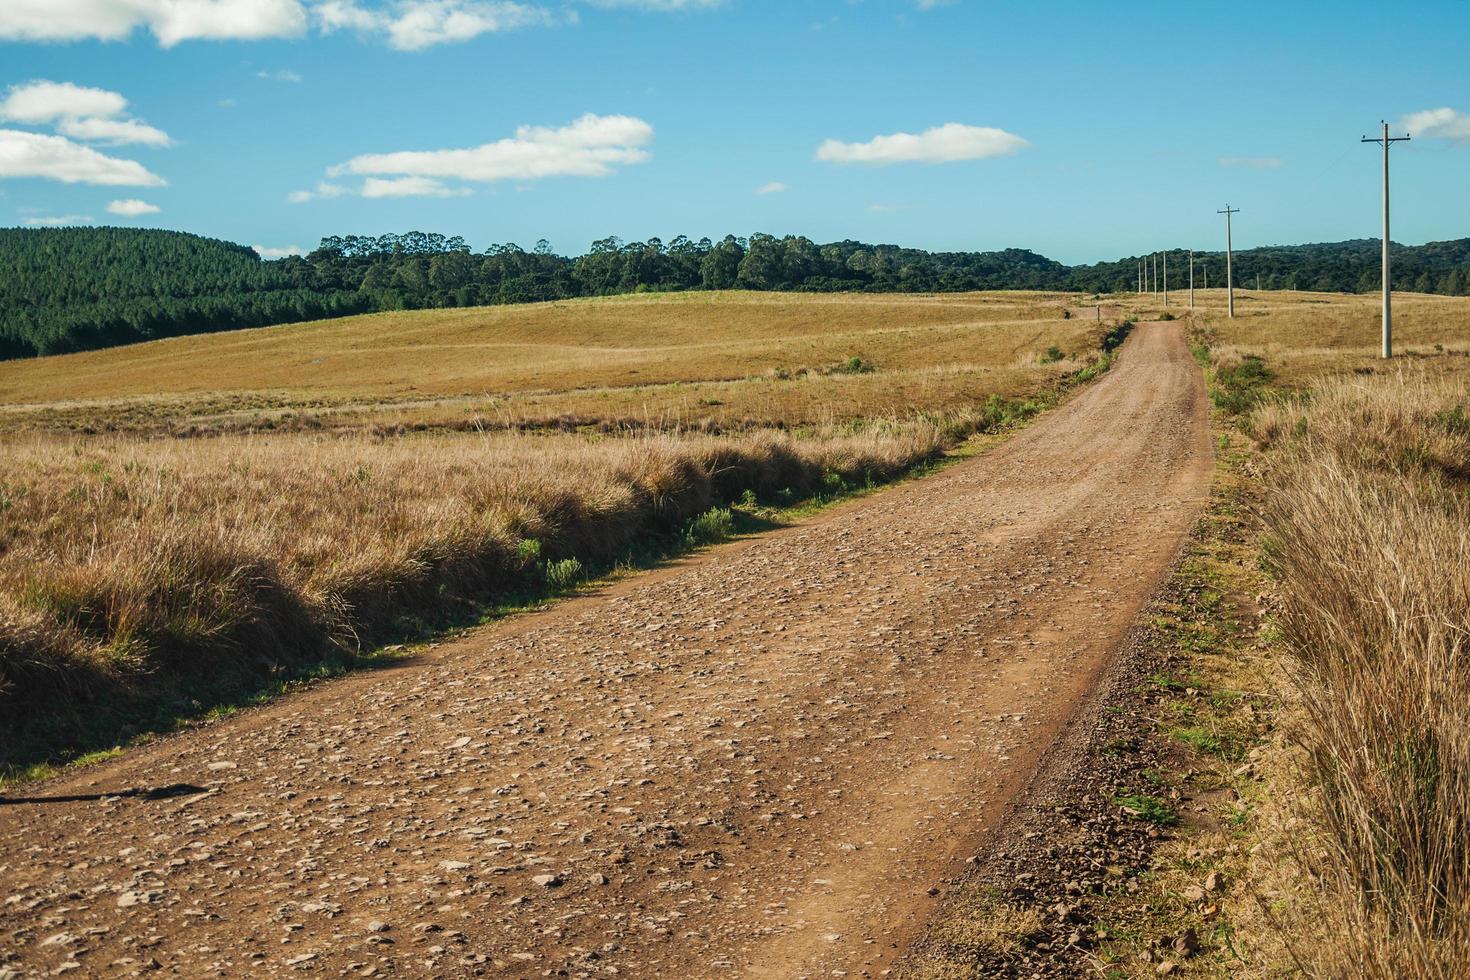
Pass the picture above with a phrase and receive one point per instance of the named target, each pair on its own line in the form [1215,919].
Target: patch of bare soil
[763,761]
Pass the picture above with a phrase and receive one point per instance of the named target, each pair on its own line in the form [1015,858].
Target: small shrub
[1052,355]
[715,525]
[563,575]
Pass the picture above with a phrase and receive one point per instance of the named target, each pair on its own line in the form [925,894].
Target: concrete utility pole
[1155,258]
[1191,279]
[1166,277]
[1387,141]
[1229,256]
[1140,277]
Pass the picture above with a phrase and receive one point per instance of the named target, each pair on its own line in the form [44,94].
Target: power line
[1386,141]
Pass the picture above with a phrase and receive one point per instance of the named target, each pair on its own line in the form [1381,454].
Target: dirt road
[757,762]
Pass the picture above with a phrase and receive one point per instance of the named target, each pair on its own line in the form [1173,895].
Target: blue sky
[1081,130]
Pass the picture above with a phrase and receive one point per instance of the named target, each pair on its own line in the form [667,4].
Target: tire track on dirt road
[754,762]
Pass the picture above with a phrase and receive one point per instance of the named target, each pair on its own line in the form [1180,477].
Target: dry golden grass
[1306,336]
[1370,526]
[357,474]
[698,358]
[141,574]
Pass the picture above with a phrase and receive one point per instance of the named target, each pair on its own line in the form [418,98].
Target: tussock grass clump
[1369,522]
[141,581]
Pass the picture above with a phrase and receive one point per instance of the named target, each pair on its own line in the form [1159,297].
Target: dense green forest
[68,289]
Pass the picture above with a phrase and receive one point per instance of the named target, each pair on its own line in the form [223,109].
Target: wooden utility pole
[1166,277]
[1387,141]
[1191,279]
[1229,255]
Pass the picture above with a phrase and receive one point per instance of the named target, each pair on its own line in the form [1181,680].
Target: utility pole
[1156,274]
[1166,278]
[1387,141]
[1258,282]
[1140,277]
[1229,256]
[1191,279]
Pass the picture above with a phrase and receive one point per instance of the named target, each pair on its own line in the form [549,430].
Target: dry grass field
[1306,336]
[181,522]
[672,360]
[1363,467]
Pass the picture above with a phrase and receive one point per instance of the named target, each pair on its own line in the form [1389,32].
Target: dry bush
[1369,524]
[140,577]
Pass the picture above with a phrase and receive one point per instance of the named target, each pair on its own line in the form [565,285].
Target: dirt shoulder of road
[1135,849]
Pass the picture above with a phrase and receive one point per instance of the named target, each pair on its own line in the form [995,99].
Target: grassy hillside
[731,358]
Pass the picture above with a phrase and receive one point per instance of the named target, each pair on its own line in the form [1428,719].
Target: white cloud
[282,75]
[942,144]
[113,131]
[170,21]
[412,25]
[658,5]
[132,208]
[1254,163]
[269,252]
[774,187]
[60,221]
[25,154]
[588,147]
[410,187]
[932,4]
[1445,124]
[323,189]
[93,114]
[43,102]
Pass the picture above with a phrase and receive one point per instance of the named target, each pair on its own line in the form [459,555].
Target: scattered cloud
[658,5]
[323,189]
[591,146]
[270,252]
[774,187]
[410,187]
[1254,163]
[45,102]
[412,25]
[932,4]
[91,114]
[114,132]
[942,144]
[132,208]
[280,75]
[170,21]
[59,221]
[24,154]
[1443,124]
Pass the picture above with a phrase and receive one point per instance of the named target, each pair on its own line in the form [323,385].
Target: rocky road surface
[761,761]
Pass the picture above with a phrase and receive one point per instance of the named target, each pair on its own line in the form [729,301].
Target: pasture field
[186,520]
[672,360]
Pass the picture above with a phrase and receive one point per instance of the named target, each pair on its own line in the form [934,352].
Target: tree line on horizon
[71,289]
